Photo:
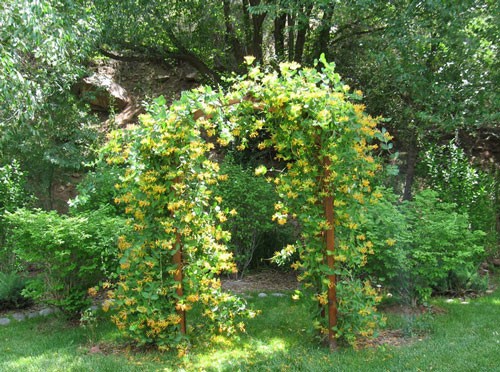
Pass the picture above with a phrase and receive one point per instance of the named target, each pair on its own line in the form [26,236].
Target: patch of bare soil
[387,338]
[266,280]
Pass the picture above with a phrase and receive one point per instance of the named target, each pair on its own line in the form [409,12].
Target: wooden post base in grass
[330,260]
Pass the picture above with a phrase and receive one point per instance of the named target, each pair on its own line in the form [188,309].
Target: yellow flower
[260,170]
[390,242]
[106,305]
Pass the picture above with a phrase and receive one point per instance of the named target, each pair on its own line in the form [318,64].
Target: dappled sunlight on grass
[53,361]
[227,355]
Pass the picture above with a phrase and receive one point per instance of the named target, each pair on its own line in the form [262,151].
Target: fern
[11,287]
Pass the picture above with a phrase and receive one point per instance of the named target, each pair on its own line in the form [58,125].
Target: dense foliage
[44,46]
[423,246]
[11,288]
[13,195]
[69,254]
[166,193]
[321,138]
[248,202]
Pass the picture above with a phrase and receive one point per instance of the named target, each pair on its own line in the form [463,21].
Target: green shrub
[11,287]
[422,246]
[13,195]
[71,253]
[449,171]
[249,201]
[97,189]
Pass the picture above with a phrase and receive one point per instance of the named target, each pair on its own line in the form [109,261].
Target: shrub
[97,189]
[449,172]
[12,195]
[72,253]
[11,287]
[422,245]
[249,201]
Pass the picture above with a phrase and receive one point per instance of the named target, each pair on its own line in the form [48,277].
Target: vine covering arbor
[171,263]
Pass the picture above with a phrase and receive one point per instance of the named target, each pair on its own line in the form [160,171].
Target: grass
[466,337]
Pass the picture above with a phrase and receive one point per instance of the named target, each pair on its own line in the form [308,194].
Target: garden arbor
[171,263]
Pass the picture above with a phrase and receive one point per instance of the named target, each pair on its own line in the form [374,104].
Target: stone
[261,295]
[277,294]
[46,311]
[4,321]
[32,314]
[19,316]
[192,77]
[103,93]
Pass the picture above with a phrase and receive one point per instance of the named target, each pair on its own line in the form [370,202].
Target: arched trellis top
[309,119]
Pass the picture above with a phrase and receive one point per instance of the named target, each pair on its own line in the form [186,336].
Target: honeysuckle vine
[309,119]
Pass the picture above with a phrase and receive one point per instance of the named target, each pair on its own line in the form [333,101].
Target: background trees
[44,46]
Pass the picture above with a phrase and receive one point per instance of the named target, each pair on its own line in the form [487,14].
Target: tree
[43,48]
[433,71]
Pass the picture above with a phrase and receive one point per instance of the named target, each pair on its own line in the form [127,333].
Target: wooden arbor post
[177,259]
[178,278]
[330,259]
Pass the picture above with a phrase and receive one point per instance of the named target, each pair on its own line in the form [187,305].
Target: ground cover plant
[278,340]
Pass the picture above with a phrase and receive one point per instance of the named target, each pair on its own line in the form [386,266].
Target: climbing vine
[323,143]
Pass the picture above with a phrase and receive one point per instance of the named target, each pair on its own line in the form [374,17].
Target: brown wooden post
[330,252]
[178,279]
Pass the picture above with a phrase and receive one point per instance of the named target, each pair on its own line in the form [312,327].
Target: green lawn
[466,337]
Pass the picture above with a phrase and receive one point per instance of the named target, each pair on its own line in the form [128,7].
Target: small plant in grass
[89,322]
[11,288]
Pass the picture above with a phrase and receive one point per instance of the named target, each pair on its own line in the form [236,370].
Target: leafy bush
[72,253]
[249,202]
[449,172]
[422,245]
[12,195]
[11,287]
[97,189]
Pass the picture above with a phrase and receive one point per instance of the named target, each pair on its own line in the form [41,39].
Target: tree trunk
[247,25]
[191,58]
[302,28]
[279,36]
[411,162]
[258,32]
[230,36]
[324,32]
[291,36]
